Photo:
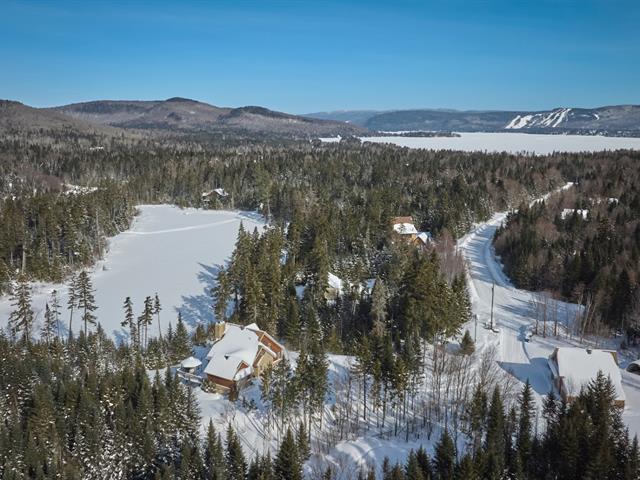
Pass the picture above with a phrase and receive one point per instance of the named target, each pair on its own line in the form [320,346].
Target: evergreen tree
[495,439]
[445,457]
[525,428]
[54,305]
[157,308]
[236,464]
[144,320]
[49,324]
[181,343]
[85,299]
[287,464]
[302,441]
[467,347]
[130,323]
[21,318]
[72,300]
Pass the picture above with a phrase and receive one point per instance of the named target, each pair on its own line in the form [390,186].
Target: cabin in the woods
[405,230]
[239,354]
[573,368]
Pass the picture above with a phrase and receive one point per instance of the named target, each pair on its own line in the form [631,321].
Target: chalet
[404,229]
[573,368]
[239,354]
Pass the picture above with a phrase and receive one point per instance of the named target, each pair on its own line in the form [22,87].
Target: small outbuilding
[190,365]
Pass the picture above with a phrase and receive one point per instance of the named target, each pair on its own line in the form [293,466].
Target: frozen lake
[511,142]
[174,252]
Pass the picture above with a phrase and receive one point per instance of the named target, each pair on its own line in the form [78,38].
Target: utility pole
[475,332]
[493,288]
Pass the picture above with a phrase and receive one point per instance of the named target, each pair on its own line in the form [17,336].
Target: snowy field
[511,142]
[174,252]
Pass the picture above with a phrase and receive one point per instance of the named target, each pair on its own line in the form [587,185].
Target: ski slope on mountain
[170,251]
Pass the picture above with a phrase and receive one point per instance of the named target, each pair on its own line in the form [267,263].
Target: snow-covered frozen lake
[174,252]
[511,142]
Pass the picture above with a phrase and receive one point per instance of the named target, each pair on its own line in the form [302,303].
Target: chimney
[218,330]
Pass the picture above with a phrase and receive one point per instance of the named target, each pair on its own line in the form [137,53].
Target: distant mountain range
[612,120]
[175,115]
[182,116]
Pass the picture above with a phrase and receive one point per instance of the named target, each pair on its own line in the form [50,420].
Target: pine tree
[129,322]
[49,324]
[412,468]
[525,427]
[467,347]
[21,318]
[221,293]
[54,305]
[85,299]
[214,465]
[181,343]
[236,464]
[445,457]
[144,320]
[466,469]
[157,308]
[302,441]
[72,301]
[495,438]
[287,464]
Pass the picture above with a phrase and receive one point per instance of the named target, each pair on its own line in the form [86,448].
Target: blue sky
[305,56]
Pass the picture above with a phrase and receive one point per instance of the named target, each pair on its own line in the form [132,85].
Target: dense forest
[86,407]
[583,244]
[59,199]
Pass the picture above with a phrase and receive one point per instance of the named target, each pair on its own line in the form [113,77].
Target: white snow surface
[538,144]
[174,252]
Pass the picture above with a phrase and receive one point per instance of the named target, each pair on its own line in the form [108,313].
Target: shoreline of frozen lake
[172,251]
[539,144]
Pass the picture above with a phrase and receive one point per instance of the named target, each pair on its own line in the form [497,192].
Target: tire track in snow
[182,229]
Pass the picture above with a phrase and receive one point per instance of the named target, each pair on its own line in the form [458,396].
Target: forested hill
[182,115]
[583,244]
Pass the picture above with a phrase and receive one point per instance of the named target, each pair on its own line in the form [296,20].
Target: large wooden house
[403,229]
[239,354]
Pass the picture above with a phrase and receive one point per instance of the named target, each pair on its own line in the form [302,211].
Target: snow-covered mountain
[621,120]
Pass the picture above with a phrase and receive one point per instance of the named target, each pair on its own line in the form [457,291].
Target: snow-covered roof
[334,282]
[568,212]
[405,228]
[190,362]
[579,366]
[425,237]
[238,345]
[221,192]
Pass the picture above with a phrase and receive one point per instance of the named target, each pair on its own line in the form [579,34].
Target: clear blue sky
[305,56]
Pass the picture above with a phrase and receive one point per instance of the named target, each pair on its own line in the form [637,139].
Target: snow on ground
[510,142]
[514,315]
[174,252]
